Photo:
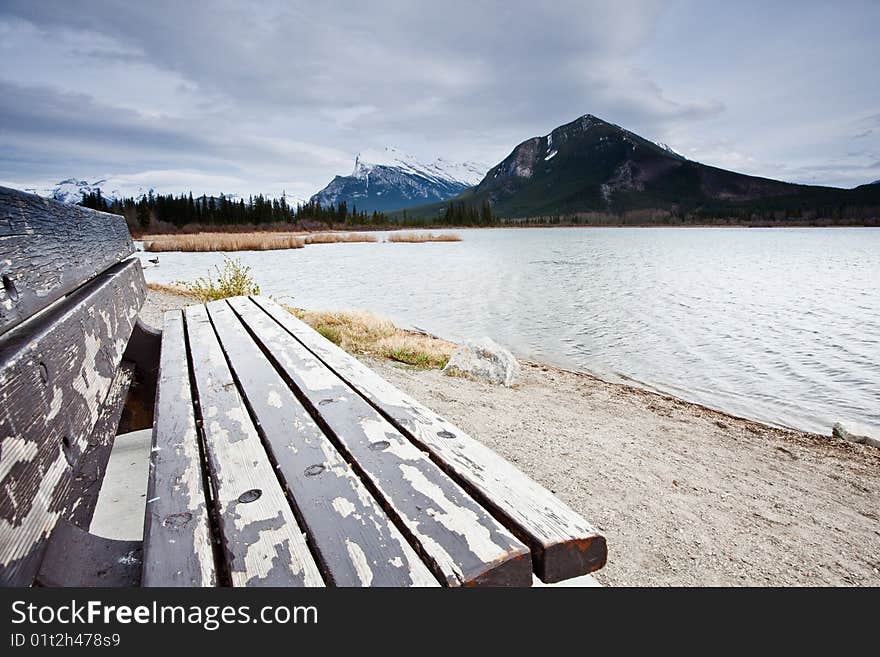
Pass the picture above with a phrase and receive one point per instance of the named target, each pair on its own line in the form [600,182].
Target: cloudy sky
[245,97]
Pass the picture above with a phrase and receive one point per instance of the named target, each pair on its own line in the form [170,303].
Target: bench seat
[278,459]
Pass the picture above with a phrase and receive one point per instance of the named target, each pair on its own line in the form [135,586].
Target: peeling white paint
[359,561]
[454,517]
[343,506]
[274,399]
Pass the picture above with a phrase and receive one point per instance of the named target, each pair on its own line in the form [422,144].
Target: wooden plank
[178,549]
[86,483]
[462,543]
[54,377]
[355,541]
[262,542]
[49,249]
[563,543]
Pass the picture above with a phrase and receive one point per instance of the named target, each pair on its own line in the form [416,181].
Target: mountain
[391,180]
[72,190]
[590,165]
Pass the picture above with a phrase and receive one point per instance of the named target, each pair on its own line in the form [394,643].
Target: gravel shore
[687,496]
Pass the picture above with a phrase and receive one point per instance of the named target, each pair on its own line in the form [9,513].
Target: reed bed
[416,238]
[336,238]
[223,242]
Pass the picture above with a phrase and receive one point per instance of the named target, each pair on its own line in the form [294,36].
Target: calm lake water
[780,325]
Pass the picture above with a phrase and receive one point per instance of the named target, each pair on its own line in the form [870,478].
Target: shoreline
[140,237]
[686,495]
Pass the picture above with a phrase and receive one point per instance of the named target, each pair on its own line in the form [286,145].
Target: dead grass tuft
[416,238]
[364,333]
[177,290]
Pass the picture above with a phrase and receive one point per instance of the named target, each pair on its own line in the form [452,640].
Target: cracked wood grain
[55,372]
[457,537]
[177,536]
[262,541]
[90,470]
[563,543]
[357,544]
[48,249]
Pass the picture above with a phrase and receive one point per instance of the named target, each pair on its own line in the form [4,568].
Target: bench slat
[356,542]
[50,249]
[177,535]
[458,538]
[563,544]
[55,373]
[262,541]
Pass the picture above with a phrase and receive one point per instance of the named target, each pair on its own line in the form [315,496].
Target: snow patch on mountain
[72,190]
[467,173]
[669,150]
[390,179]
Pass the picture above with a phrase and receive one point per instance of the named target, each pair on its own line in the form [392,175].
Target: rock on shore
[855,433]
[484,359]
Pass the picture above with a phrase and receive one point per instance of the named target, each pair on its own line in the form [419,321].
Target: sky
[240,97]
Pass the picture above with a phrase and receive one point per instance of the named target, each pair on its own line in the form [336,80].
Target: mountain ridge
[593,166]
[393,180]
[71,191]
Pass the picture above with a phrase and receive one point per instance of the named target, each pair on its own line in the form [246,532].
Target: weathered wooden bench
[277,458]
[71,351]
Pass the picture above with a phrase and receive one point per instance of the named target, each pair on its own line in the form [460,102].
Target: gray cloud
[282,95]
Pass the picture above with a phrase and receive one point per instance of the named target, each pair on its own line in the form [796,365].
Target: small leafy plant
[233,280]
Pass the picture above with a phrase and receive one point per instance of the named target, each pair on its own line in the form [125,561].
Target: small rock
[484,359]
[856,433]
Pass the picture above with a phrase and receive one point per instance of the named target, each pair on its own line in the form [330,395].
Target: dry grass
[177,290]
[416,238]
[223,242]
[364,333]
[234,279]
[336,238]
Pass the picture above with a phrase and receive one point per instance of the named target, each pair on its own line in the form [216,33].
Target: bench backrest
[69,299]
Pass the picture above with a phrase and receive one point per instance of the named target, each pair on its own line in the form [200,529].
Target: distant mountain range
[585,166]
[72,190]
[390,180]
[590,165]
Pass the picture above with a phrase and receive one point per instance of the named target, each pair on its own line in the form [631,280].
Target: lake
[779,325]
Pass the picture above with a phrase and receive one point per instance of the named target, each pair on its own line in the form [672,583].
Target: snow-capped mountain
[72,190]
[392,180]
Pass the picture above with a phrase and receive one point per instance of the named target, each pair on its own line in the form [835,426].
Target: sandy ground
[685,495]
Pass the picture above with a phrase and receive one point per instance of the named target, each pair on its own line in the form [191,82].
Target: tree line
[164,212]
[185,209]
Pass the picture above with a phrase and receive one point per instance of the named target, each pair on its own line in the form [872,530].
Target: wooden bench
[71,353]
[277,459]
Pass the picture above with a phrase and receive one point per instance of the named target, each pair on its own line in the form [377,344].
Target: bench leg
[76,558]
